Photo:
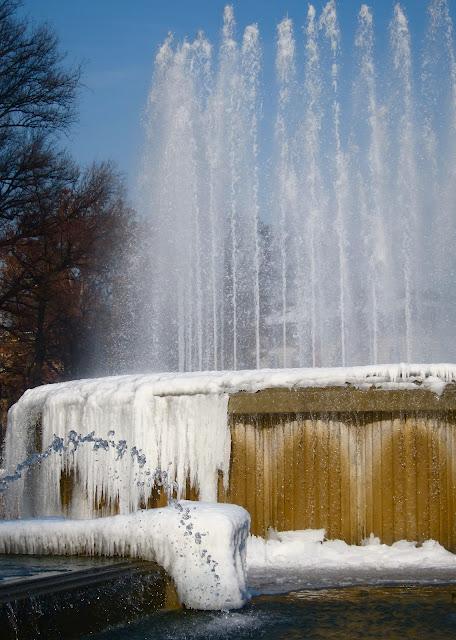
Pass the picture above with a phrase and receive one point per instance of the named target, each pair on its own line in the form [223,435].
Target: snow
[177,421]
[202,546]
[305,559]
[308,548]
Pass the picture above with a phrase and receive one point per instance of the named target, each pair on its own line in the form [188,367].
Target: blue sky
[116,41]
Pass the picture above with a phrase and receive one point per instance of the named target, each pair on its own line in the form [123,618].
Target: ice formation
[206,549]
[201,546]
[177,421]
[184,435]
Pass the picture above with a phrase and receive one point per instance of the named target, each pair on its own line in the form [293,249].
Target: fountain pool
[376,613]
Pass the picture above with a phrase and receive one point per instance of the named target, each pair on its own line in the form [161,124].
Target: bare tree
[36,91]
[67,269]
[37,100]
[63,232]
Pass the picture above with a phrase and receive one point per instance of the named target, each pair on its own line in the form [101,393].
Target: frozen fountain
[322,239]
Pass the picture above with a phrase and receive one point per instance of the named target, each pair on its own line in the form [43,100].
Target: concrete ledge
[341,399]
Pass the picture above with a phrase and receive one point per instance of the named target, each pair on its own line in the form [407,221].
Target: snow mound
[308,549]
[202,546]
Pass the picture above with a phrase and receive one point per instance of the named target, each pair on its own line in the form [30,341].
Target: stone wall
[351,461]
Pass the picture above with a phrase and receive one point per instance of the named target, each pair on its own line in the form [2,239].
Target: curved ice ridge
[209,569]
[142,386]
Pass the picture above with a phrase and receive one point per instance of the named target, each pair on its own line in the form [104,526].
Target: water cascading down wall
[352,462]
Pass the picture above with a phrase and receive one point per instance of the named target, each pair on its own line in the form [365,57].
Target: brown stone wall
[353,470]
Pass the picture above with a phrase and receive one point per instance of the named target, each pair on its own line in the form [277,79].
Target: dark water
[19,568]
[60,598]
[372,612]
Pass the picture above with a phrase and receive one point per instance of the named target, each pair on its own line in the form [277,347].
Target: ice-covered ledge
[178,421]
[389,376]
[202,546]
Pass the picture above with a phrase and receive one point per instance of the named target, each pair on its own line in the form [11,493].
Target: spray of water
[326,239]
[285,190]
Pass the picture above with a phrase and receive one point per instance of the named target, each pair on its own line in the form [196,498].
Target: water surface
[331,614]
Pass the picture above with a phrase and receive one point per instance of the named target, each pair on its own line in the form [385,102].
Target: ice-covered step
[202,546]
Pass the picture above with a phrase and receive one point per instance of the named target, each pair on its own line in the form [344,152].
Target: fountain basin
[334,614]
[352,450]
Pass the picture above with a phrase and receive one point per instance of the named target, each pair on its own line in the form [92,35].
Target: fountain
[337,249]
[337,252]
